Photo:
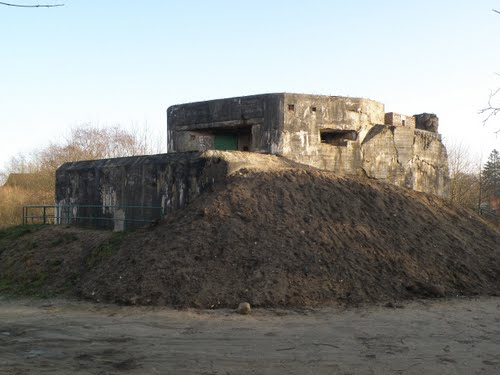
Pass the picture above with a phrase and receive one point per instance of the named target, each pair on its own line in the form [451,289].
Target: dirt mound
[283,238]
[46,260]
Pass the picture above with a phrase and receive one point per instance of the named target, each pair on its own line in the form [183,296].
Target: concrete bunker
[351,136]
[342,134]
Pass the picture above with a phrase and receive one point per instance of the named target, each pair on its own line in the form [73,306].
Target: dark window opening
[237,139]
[226,141]
[313,109]
[244,141]
[291,107]
[403,122]
[338,137]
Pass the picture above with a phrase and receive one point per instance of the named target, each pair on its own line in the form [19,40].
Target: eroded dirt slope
[282,238]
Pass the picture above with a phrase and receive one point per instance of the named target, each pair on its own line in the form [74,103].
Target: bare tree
[493,107]
[464,176]
[31,6]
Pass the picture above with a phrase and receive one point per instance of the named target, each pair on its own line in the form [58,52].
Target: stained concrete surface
[460,336]
[301,127]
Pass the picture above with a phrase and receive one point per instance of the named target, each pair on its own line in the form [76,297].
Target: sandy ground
[460,336]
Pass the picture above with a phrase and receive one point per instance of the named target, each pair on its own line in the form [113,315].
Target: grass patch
[105,250]
[70,283]
[17,231]
[63,239]
[27,287]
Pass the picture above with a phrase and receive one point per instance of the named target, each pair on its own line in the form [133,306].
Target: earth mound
[283,238]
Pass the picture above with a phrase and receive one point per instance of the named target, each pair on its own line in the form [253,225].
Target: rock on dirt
[244,308]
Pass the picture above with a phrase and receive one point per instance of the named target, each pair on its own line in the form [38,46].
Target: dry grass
[12,200]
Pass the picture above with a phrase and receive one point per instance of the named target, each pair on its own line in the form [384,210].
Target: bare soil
[458,336]
[284,238]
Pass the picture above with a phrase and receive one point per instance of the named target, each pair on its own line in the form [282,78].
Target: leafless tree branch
[31,6]
[492,109]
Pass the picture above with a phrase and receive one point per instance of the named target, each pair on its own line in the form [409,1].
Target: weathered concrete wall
[334,112]
[345,135]
[192,126]
[166,181]
[430,164]
[169,181]
[403,156]
[312,114]
[406,157]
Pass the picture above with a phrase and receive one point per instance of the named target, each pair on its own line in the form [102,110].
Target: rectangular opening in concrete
[226,141]
[236,139]
[337,137]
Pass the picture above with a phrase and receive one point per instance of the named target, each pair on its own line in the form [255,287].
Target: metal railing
[98,216]
[489,213]
[38,215]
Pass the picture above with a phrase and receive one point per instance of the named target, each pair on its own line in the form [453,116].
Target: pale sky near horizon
[110,62]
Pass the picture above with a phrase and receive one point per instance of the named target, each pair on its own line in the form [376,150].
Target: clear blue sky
[125,62]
